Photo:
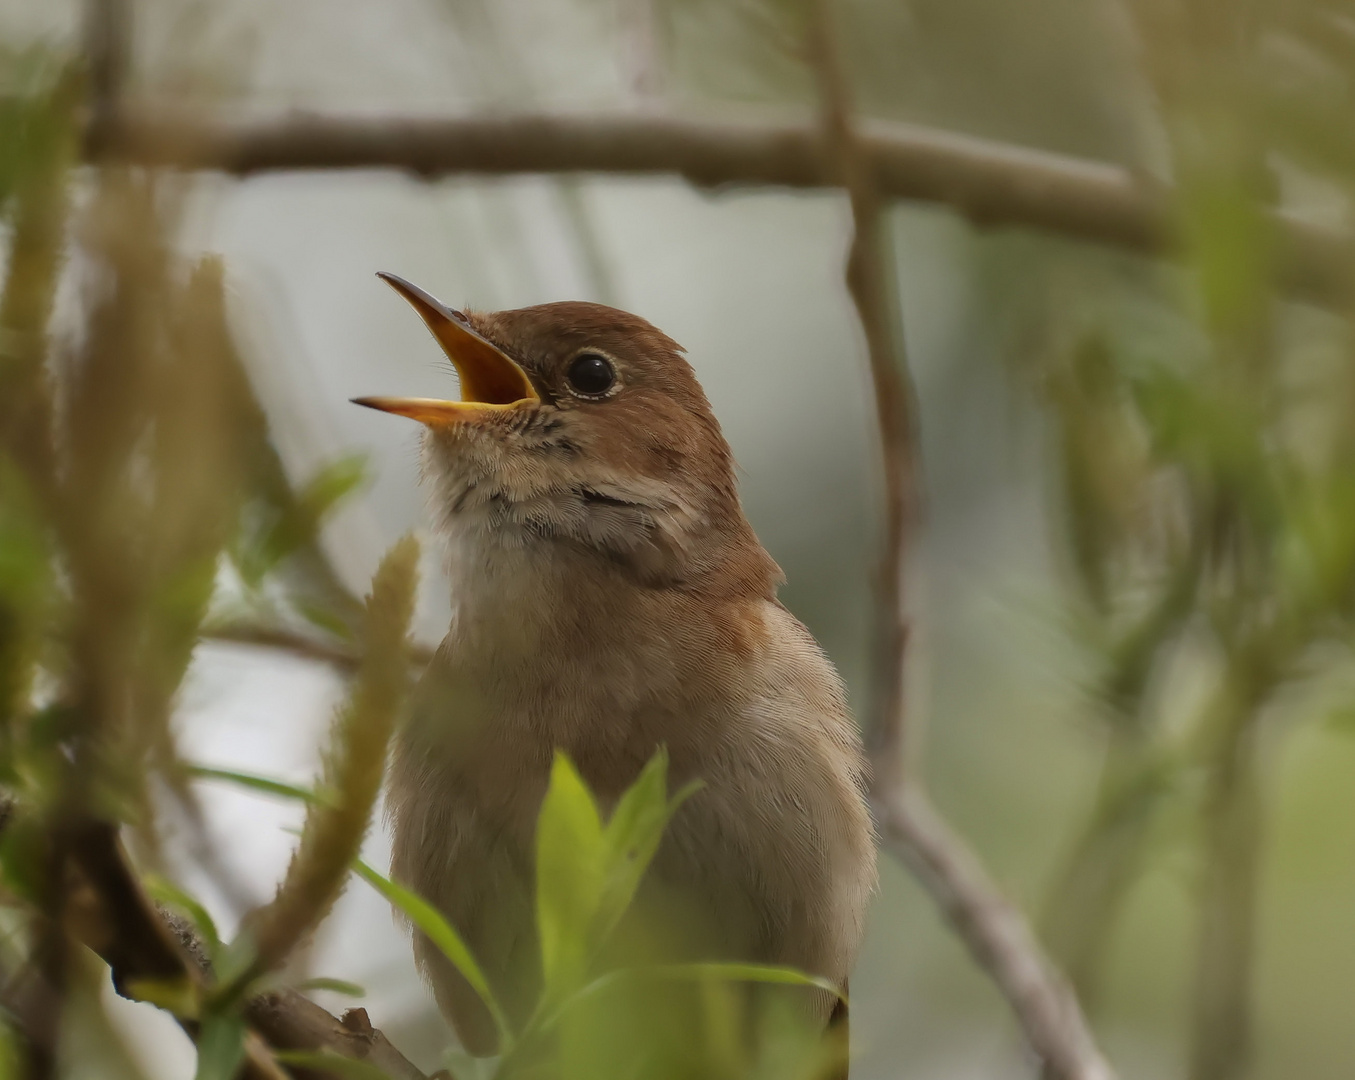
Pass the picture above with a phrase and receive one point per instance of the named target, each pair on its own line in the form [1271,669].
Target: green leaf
[632,838]
[334,986]
[703,971]
[1342,719]
[33,115]
[12,1059]
[255,783]
[163,891]
[294,525]
[571,876]
[328,1063]
[730,971]
[233,965]
[25,569]
[180,996]
[440,932]
[23,855]
[221,1047]
[333,483]
[587,874]
[464,1066]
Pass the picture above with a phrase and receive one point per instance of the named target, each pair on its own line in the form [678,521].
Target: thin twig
[870,284]
[1232,818]
[995,931]
[990,183]
[305,646]
[107,31]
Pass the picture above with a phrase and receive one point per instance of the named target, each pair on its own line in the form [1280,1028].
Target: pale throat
[515,590]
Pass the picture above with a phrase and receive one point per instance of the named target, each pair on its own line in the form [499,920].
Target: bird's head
[584,426]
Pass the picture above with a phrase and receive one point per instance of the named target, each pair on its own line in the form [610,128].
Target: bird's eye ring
[591,375]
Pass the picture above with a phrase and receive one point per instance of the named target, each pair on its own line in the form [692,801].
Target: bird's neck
[543,559]
[540,616]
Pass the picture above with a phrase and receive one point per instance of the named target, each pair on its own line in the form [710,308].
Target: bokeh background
[1003,668]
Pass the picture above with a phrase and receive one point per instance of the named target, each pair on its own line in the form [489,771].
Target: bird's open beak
[489,379]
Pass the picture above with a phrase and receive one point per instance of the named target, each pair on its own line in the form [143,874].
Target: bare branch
[871,286]
[1233,813]
[995,931]
[107,32]
[290,1021]
[305,646]
[990,183]
[114,918]
[124,928]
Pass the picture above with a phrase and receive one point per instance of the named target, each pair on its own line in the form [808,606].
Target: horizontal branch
[304,646]
[990,183]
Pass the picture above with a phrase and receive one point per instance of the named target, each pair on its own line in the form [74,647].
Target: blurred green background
[1094,426]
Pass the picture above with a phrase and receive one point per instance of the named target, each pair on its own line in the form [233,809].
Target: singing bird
[610,598]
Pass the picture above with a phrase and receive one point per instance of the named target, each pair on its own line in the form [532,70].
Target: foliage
[1200,439]
[1201,426]
[354,767]
[587,875]
[134,464]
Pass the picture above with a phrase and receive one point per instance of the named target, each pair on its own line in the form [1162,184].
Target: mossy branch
[354,763]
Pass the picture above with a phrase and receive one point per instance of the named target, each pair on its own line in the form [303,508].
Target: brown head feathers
[621,455]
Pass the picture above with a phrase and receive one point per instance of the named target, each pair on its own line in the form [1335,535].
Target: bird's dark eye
[591,374]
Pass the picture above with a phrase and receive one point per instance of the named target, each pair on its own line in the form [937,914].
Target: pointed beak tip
[488,375]
[380,404]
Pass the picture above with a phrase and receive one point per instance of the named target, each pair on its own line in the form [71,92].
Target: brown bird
[610,598]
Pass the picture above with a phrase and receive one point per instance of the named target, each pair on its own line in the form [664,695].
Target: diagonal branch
[114,918]
[138,944]
[990,183]
[995,931]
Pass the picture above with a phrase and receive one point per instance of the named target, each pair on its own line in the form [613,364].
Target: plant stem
[1221,1031]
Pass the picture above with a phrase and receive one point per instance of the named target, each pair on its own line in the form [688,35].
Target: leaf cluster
[588,872]
[1201,429]
[141,501]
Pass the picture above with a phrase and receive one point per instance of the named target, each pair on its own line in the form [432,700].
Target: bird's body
[610,598]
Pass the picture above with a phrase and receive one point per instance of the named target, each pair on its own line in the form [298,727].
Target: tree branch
[112,915]
[989,183]
[995,931]
[107,32]
[1222,1027]
[874,294]
[138,944]
[305,646]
